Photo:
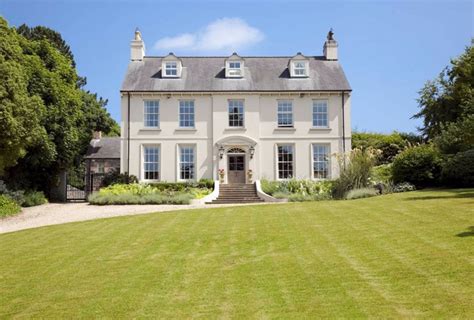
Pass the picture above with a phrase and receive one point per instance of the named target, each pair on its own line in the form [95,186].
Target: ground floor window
[151,162]
[285,161]
[186,163]
[320,161]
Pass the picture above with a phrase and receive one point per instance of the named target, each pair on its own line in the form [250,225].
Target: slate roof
[104,148]
[260,74]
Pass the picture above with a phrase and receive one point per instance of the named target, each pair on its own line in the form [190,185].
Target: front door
[236,169]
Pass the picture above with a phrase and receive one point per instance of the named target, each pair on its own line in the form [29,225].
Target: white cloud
[226,34]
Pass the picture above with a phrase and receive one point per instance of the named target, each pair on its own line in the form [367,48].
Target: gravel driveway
[59,213]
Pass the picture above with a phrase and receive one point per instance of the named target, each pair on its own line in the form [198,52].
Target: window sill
[185,129]
[150,129]
[320,129]
[235,129]
[292,129]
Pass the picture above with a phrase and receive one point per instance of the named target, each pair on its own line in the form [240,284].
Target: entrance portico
[236,159]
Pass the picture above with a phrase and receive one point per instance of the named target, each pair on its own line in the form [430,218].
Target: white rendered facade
[189,135]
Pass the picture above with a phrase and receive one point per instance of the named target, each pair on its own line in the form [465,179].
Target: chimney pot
[97,135]
[330,47]
[137,47]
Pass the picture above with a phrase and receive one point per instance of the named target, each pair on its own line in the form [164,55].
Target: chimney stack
[330,47]
[97,135]
[137,47]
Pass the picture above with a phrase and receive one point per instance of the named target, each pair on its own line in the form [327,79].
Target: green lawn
[405,255]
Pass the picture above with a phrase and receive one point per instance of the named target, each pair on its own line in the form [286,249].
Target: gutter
[343,124]
[128,133]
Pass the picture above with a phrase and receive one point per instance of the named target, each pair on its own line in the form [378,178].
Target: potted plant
[221,175]
[250,175]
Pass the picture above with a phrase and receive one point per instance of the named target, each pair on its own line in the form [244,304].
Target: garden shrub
[157,193]
[361,193]
[34,198]
[129,198]
[297,189]
[382,173]
[458,170]
[8,206]
[298,197]
[17,196]
[115,177]
[355,169]
[420,165]
[403,187]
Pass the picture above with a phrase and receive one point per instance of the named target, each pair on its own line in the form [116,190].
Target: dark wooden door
[236,169]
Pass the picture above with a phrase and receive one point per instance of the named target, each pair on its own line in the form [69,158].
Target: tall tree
[20,112]
[42,88]
[448,98]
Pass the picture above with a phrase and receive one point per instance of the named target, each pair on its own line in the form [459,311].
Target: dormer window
[299,66]
[234,69]
[299,69]
[171,69]
[234,66]
[171,66]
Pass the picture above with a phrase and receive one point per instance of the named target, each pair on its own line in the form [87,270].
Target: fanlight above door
[235,150]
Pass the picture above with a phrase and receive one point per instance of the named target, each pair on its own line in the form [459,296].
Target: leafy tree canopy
[46,118]
[448,98]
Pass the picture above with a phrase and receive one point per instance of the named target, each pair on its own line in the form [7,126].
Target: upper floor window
[186,113]
[171,69]
[320,113]
[298,66]
[285,113]
[285,161]
[186,163]
[320,161]
[235,69]
[171,66]
[151,162]
[234,66]
[152,114]
[236,113]
[299,69]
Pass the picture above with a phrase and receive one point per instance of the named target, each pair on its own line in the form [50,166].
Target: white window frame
[100,167]
[233,113]
[232,71]
[143,162]
[315,113]
[327,162]
[293,162]
[191,115]
[194,155]
[168,66]
[146,113]
[295,68]
[282,109]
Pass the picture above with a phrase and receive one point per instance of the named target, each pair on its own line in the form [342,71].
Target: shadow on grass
[468,233]
[450,194]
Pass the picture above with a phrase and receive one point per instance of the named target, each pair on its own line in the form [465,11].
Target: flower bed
[157,193]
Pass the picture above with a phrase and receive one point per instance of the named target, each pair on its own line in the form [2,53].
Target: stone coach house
[236,118]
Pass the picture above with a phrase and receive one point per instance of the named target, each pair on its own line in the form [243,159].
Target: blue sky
[388,49]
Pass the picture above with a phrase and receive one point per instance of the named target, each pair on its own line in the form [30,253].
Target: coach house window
[186,114]
[151,162]
[320,161]
[186,163]
[320,113]
[285,161]
[236,113]
[152,114]
[285,114]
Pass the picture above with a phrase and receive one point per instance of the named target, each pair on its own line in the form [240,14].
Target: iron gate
[75,190]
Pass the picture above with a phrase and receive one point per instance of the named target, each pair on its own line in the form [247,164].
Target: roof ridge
[289,57]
